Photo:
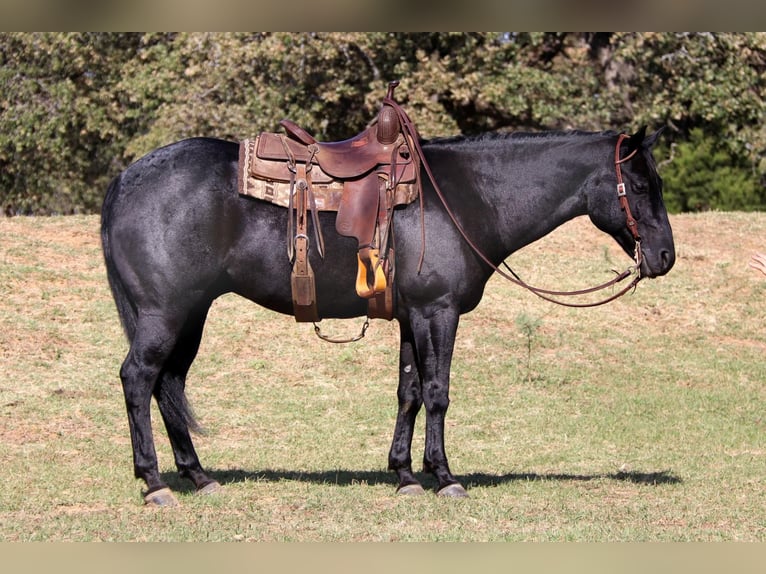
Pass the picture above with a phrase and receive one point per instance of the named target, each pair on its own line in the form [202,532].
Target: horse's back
[175,173]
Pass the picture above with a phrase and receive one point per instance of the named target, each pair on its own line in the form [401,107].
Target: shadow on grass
[351,477]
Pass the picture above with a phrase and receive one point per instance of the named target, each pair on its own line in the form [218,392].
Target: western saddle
[362,179]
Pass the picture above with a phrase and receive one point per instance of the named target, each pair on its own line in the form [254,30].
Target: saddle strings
[292,167]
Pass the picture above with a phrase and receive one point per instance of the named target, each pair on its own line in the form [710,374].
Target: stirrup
[363,287]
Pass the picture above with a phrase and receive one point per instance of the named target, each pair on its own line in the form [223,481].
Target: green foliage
[702,175]
[529,326]
[61,124]
[75,108]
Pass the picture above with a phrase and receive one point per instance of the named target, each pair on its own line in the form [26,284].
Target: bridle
[623,197]
[634,269]
[548,295]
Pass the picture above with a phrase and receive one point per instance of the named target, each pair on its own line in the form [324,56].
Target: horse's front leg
[434,331]
[410,398]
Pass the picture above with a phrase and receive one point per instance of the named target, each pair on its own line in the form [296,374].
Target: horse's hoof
[453,491]
[210,488]
[410,490]
[163,497]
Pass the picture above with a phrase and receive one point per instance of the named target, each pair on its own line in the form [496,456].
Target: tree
[60,126]
[76,108]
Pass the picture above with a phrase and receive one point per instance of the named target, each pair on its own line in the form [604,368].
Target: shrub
[701,175]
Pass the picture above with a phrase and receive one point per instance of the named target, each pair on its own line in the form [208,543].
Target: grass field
[643,420]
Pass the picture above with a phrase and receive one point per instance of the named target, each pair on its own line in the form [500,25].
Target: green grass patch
[639,421]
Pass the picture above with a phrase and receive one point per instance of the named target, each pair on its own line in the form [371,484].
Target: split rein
[637,254]
[548,295]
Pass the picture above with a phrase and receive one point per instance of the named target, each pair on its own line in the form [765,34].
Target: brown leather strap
[290,217]
[313,207]
[622,193]
[302,280]
[412,136]
[297,132]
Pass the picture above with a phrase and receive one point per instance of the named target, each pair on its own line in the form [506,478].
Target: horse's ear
[637,138]
[652,139]
[640,138]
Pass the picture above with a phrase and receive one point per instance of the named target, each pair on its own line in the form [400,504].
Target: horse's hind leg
[150,348]
[410,400]
[174,408]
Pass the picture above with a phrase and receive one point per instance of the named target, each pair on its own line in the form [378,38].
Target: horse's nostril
[667,257]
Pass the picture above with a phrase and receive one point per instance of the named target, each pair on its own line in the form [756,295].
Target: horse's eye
[641,188]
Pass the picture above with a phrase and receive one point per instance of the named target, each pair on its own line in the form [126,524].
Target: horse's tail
[125,310]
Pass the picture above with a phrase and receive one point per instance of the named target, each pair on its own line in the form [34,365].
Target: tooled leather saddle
[362,179]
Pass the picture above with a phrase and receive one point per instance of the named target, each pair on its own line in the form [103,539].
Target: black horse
[176,235]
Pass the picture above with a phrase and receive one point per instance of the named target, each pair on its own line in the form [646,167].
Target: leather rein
[547,294]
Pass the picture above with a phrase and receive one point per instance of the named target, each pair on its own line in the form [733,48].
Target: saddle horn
[388,120]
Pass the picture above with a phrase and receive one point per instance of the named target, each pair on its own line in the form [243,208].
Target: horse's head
[640,214]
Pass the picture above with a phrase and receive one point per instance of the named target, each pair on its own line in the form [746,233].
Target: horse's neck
[524,189]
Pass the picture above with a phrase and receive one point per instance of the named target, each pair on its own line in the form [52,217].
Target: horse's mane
[503,136]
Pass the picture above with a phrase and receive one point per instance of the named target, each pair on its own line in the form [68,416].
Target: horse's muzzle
[657,263]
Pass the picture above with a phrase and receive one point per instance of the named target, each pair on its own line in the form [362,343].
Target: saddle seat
[347,158]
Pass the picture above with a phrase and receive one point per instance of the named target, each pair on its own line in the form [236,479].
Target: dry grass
[641,420]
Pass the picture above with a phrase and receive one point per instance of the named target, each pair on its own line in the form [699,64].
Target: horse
[176,234]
